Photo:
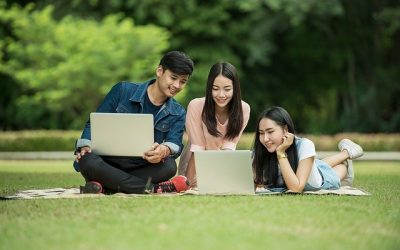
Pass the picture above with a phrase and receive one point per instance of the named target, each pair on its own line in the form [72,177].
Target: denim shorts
[330,180]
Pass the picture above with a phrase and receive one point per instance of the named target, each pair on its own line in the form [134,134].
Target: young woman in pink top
[216,121]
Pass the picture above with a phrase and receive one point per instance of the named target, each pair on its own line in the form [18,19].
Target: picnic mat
[54,193]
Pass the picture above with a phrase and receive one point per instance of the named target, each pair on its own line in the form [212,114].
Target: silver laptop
[224,172]
[121,134]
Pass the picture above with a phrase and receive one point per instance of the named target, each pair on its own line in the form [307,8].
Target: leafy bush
[65,67]
[369,142]
[39,140]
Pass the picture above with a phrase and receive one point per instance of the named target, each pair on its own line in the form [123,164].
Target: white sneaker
[349,179]
[355,151]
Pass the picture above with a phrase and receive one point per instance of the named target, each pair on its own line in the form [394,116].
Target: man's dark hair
[177,62]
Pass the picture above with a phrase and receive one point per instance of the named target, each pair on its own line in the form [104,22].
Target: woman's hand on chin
[287,140]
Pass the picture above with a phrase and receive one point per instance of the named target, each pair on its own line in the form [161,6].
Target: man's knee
[170,167]
[88,161]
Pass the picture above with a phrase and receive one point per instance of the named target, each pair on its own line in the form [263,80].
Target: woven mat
[343,190]
[55,193]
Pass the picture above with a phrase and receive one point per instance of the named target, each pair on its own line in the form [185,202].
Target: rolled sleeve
[80,143]
[172,146]
[174,137]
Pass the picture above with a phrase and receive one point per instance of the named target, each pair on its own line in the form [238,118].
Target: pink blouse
[197,131]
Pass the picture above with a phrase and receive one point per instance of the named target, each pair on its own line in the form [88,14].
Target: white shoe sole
[355,151]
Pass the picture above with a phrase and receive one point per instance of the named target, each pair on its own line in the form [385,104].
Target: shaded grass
[18,175]
[198,222]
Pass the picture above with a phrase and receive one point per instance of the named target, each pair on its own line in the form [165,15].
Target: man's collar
[142,91]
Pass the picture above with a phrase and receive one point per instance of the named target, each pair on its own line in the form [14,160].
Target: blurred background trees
[334,65]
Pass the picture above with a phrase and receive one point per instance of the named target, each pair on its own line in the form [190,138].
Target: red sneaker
[177,184]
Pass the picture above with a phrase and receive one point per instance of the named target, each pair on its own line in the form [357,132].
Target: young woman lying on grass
[283,160]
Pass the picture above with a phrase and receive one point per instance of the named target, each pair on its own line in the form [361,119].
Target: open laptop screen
[224,172]
[121,134]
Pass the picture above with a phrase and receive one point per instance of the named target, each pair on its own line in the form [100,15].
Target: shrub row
[56,140]
[38,140]
[369,142]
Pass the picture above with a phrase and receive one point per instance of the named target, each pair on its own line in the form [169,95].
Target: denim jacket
[125,97]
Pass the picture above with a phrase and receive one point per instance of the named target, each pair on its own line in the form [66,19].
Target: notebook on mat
[121,134]
[224,172]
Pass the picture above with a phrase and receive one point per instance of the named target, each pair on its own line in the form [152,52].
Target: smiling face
[271,134]
[222,91]
[170,83]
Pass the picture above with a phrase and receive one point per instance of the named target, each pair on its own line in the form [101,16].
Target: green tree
[332,64]
[369,101]
[65,67]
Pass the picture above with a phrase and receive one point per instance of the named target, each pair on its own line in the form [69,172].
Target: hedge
[59,140]
[38,140]
[369,142]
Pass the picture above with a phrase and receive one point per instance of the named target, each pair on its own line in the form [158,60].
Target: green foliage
[40,140]
[332,64]
[65,67]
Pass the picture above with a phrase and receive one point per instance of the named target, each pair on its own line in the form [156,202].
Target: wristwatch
[281,155]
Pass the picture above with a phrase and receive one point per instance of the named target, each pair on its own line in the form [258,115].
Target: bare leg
[337,162]
[337,159]
[191,172]
[341,170]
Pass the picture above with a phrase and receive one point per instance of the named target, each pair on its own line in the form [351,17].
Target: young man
[150,173]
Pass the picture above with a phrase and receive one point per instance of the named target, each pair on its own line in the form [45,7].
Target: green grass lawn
[198,222]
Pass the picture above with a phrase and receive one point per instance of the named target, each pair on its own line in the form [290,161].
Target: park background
[333,64]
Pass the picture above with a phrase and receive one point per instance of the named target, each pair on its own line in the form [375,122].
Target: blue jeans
[330,180]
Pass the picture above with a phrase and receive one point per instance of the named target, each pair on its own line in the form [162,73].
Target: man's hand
[82,152]
[157,153]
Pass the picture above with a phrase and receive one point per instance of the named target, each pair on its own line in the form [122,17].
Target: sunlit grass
[198,222]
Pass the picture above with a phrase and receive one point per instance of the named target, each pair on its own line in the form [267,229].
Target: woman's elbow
[297,189]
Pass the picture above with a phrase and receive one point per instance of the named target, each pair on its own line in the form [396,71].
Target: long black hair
[235,105]
[265,164]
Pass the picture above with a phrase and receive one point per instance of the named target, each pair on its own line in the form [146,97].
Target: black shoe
[91,187]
